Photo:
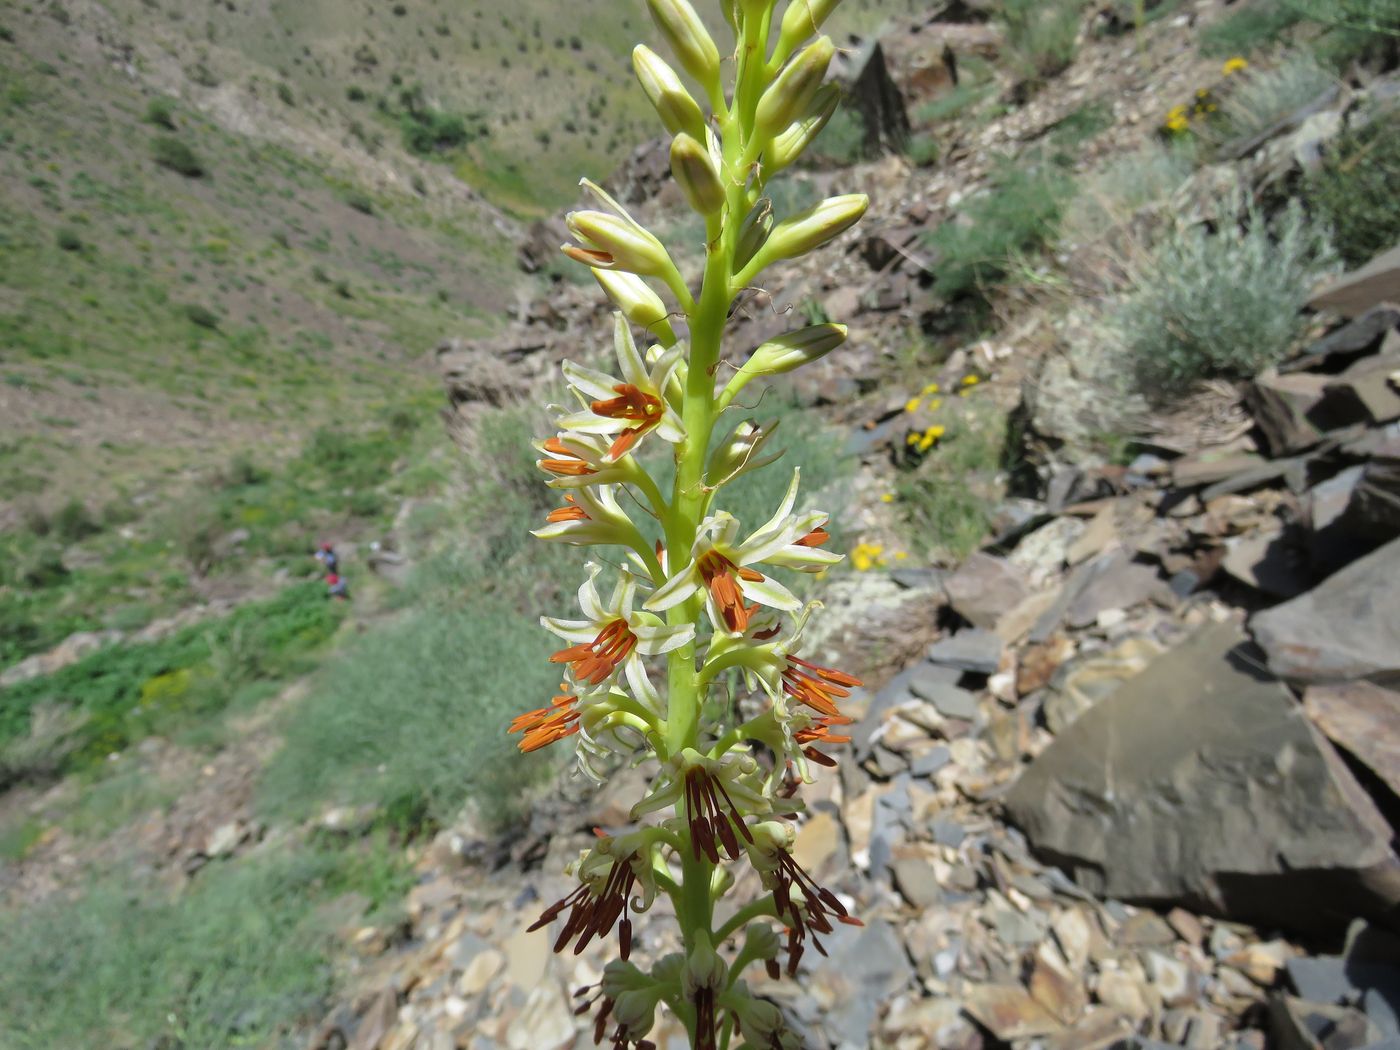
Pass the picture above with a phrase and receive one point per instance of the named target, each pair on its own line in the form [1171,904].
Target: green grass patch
[947,496]
[125,692]
[240,959]
[1016,217]
[1253,26]
[1354,192]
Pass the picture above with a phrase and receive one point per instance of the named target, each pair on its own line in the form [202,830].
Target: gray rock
[948,832]
[1115,581]
[1280,406]
[1347,627]
[915,879]
[931,761]
[1352,294]
[1364,720]
[975,650]
[862,969]
[951,701]
[1351,340]
[1200,782]
[984,589]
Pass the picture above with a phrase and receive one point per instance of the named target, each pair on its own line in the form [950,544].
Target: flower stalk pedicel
[706,600]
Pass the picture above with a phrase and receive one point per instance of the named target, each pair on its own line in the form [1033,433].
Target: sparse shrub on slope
[1219,304]
[1042,36]
[1356,190]
[170,152]
[1018,214]
[1259,98]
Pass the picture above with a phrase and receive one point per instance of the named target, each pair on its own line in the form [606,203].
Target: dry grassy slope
[322,308]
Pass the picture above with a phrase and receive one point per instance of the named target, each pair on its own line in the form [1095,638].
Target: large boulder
[1347,627]
[1201,782]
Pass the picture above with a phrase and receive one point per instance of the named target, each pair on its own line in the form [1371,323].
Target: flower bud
[794,349]
[788,97]
[611,242]
[753,232]
[620,976]
[741,453]
[703,968]
[761,942]
[694,171]
[689,39]
[813,228]
[793,142]
[801,19]
[638,303]
[677,110]
[635,1010]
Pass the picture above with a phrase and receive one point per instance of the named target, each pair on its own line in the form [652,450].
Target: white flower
[579,460]
[591,516]
[630,408]
[721,565]
[614,633]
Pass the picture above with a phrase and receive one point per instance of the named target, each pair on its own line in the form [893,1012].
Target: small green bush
[1255,25]
[170,152]
[1258,99]
[68,240]
[953,103]
[284,93]
[1018,214]
[75,522]
[161,113]
[200,315]
[842,141]
[1355,190]
[1219,304]
[923,150]
[361,202]
[1042,36]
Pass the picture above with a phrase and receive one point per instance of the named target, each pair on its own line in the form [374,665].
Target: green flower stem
[758,909]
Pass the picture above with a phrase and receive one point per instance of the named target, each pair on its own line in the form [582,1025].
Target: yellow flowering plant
[707,598]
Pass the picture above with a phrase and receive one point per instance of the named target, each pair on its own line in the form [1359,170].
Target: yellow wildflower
[932,388]
[936,431]
[1234,65]
[912,405]
[970,381]
[912,439]
[900,555]
[887,497]
[935,404]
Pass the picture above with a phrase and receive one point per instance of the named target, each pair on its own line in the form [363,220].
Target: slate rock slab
[1363,719]
[1345,628]
[1201,782]
[1356,292]
[984,589]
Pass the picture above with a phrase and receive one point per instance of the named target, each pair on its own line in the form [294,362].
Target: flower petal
[675,590]
[591,383]
[771,593]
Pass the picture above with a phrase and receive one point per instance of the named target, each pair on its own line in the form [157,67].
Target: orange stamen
[573,512]
[568,464]
[633,404]
[593,662]
[817,687]
[545,725]
[718,573]
[815,538]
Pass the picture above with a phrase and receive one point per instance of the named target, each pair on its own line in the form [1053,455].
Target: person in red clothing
[336,588]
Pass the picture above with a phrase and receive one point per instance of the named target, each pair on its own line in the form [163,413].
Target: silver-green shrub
[1222,303]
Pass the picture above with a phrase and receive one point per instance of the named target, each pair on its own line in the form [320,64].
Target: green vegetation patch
[1355,190]
[240,959]
[125,692]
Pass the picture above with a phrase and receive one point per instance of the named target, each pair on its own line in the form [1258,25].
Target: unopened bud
[677,110]
[703,968]
[801,19]
[638,303]
[793,142]
[814,227]
[689,39]
[620,976]
[611,242]
[794,349]
[635,1010]
[753,232]
[741,453]
[761,941]
[788,97]
[694,171]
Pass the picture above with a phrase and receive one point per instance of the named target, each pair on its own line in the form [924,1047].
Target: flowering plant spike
[706,601]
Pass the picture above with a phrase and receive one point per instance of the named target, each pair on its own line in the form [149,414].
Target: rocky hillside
[1114,434]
